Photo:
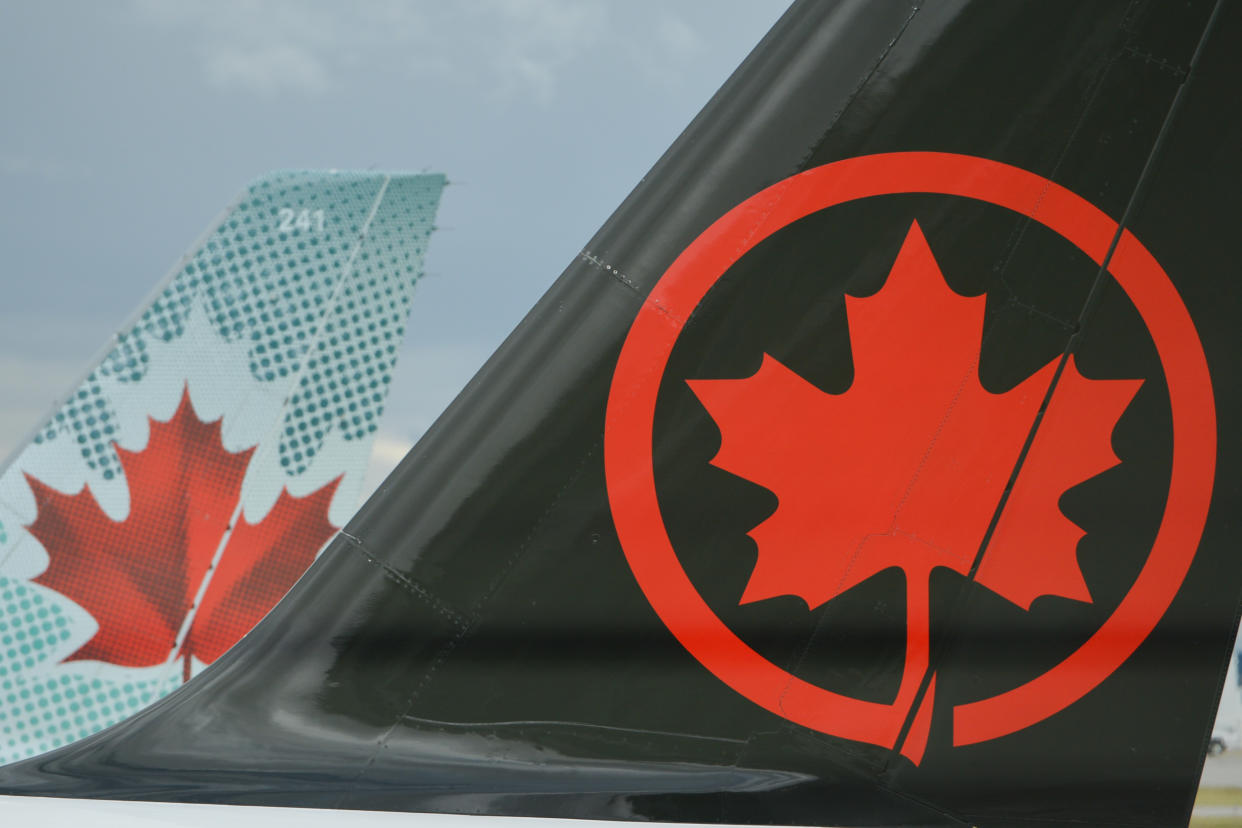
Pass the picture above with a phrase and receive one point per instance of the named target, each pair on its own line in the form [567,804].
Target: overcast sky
[125,127]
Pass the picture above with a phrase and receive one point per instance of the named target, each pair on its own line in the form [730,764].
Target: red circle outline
[628,434]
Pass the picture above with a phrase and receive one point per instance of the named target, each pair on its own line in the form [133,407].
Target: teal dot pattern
[40,711]
[307,267]
[350,366]
[3,537]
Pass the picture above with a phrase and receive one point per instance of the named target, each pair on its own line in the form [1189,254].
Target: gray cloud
[51,169]
[508,48]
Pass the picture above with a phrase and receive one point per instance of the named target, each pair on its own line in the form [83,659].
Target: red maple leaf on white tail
[138,577]
[907,467]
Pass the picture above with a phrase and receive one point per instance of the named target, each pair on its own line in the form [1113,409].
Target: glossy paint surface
[479,639]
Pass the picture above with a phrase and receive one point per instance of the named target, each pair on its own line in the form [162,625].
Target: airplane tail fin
[864,469]
[179,489]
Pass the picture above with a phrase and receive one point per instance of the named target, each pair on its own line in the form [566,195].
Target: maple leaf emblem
[139,577]
[908,466]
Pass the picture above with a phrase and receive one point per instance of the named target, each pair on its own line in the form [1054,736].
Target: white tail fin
[197,469]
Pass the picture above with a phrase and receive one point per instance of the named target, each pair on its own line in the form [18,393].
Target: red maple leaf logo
[907,467]
[139,577]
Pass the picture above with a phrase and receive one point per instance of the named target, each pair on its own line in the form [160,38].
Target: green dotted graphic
[38,711]
[30,627]
[349,370]
[307,266]
[311,275]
